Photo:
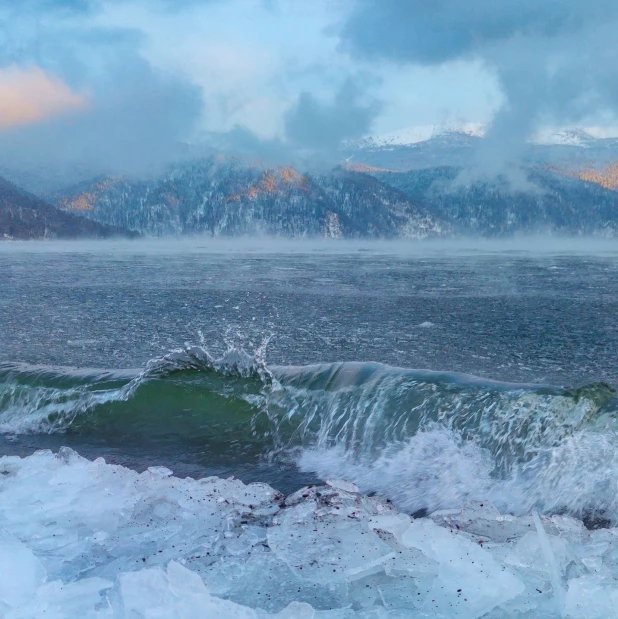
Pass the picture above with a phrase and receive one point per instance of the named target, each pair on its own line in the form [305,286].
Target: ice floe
[90,539]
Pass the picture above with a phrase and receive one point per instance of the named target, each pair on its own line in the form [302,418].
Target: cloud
[436,32]
[242,142]
[133,119]
[314,130]
[30,95]
[319,126]
[157,75]
[555,60]
[135,122]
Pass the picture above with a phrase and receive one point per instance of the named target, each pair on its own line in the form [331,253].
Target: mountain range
[569,150]
[226,197]
[536,201]
[433,188]
[231,199]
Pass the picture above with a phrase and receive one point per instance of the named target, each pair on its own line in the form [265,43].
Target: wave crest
[426,440]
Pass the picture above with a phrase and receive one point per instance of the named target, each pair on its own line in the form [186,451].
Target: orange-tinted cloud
[29,95]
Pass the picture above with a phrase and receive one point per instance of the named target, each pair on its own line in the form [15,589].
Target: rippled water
[303,364]
[473,384]
[547,315]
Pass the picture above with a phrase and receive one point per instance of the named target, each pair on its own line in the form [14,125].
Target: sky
[118,85]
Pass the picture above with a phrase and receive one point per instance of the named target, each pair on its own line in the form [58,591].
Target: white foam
[89,539]
[432,470]
[437,469]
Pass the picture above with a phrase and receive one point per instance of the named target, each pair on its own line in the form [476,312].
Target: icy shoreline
[89,539]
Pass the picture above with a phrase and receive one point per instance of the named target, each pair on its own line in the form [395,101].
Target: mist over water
[528,246]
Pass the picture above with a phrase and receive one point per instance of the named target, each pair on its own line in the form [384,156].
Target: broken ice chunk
[58,600]
[265,581]
[301,610]
[258,501]
[380,590]
[398,593]
[481,518]
[21,573]
[395,524]
[159,471]
[569,528]
[474,510]
[304,495]
[342,484]
[142,593]
[327,549]
[296,610]
[175,593]
[245,539]
[528,553]
[183,581]
[470,582]
[537,600]
[555,572]
[591,597]
[411,562]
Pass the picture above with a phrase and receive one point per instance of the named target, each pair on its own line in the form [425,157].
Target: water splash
[39,399]
[425,440]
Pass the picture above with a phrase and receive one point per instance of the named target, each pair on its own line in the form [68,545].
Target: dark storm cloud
[314,130]
[435,31]
[316,125]
[555,59]
[243,142]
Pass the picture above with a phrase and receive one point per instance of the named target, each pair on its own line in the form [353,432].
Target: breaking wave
[426,440]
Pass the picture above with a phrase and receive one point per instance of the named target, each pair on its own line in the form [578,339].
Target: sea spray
[425,440]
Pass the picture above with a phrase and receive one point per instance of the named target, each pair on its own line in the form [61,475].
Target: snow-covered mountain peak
[422,133]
